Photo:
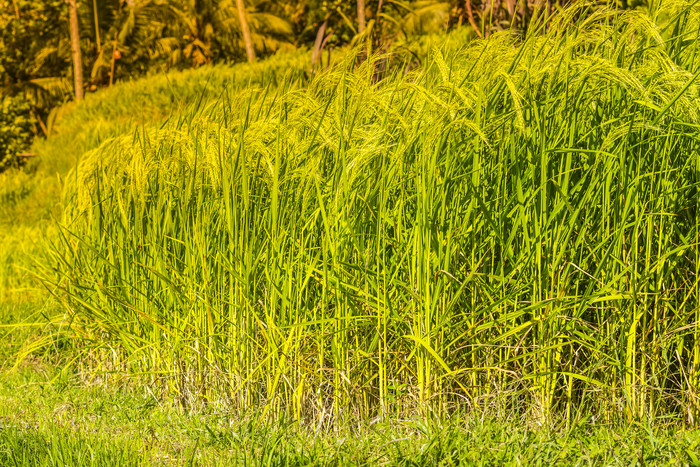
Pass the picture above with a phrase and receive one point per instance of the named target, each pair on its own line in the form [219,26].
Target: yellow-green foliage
[77,128]
[21,245]
[514,225]
[26,202]
[29,198]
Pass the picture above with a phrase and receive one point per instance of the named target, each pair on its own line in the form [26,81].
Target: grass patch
[69,423]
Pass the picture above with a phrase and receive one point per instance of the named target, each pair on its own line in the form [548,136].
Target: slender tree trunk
[510,5]
[316,53]
[75,46]
[487,26]
[361,16]
[513,17]
[376,42]
[323,46]
[247,39]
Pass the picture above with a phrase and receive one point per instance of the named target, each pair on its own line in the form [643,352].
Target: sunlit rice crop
[514,225]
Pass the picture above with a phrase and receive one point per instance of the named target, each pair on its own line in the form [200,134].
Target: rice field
[511,227]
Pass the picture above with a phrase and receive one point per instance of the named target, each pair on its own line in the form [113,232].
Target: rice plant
[512,226]
[80,127]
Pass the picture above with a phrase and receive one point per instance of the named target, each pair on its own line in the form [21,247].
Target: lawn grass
[70,423]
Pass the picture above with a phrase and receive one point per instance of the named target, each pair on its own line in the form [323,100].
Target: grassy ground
[50,415]
[67,424]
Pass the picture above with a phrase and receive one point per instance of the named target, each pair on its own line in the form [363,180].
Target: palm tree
[213,29]
[424,16]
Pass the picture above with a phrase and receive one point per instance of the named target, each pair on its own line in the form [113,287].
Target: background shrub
[16,129]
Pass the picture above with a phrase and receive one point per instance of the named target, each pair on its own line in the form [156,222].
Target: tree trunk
[377,33]
[316,53]
[247,39]
[75,47]
[361,16]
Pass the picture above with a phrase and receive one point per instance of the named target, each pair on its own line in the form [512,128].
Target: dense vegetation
[117,40]
[415,244]
[510,227]
[15,130]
